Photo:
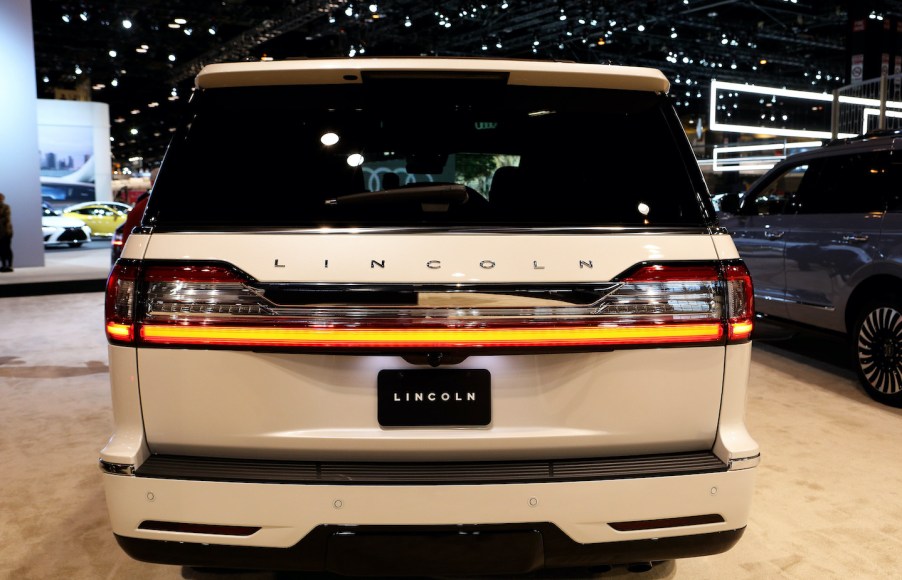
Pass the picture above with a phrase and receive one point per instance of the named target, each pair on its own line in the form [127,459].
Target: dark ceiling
[799,44]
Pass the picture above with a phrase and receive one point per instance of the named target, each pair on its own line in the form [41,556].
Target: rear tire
[877,345]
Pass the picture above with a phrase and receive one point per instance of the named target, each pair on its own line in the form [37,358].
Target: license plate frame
[434,398]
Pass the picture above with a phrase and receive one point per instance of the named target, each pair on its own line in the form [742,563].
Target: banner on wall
[67,164]
[857,71]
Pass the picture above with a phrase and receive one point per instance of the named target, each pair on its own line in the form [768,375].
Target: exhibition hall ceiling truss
[140,55]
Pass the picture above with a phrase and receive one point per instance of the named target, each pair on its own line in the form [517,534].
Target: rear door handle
[855,238]
[773,235]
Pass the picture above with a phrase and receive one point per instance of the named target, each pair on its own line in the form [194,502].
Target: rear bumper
[458,550]
[504,528]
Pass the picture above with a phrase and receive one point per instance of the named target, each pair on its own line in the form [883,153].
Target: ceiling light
[180,21]
[171,58]
[126,23]
[174,25]
[65,18]
[83,16]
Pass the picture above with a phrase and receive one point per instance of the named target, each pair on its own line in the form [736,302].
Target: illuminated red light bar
[212,305]
[432,337]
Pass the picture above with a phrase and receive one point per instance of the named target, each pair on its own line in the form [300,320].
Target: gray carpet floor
[828,499]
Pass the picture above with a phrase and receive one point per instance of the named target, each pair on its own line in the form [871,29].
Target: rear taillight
[120,303]
[214,306]
[740,303]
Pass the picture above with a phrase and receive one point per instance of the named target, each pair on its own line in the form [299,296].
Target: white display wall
[19,159]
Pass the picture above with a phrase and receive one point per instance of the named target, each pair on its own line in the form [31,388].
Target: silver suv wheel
[878,347]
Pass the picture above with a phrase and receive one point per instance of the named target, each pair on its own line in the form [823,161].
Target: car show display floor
[64,270]
[828,499]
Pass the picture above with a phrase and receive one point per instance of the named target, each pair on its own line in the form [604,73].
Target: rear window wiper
[438,193]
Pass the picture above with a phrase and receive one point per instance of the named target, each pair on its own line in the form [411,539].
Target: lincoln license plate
[440,397]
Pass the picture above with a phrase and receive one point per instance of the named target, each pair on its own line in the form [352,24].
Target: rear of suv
[821,233]
[428,316]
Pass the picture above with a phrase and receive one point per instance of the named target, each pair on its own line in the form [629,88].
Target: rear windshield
[427,153]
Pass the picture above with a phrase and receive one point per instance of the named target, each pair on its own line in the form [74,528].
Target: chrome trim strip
[739,463]
[795,302]
[117,468]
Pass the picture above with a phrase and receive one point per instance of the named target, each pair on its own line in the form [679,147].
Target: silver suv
[425,316]
[821,233]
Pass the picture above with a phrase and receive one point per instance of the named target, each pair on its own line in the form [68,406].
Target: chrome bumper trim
[117,468]
[745,462]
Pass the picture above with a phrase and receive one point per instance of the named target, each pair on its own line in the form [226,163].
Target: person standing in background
[6,236]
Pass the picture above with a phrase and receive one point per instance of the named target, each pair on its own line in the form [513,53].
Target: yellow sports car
[103,217]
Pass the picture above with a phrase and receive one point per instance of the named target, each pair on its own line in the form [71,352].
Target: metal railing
[868,105]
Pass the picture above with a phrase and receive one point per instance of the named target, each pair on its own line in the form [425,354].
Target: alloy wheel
[880,349]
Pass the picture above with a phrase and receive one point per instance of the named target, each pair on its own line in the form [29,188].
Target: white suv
[428,316]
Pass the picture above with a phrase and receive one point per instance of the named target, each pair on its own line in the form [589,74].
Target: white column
[20,179]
